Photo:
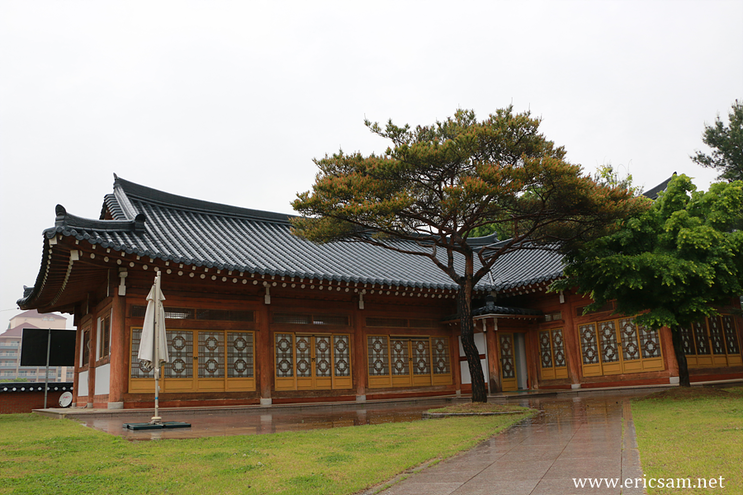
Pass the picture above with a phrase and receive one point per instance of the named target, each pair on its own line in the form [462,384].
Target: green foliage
[45,456]
[439,185]
[605,174]
[727,145]
[672,262]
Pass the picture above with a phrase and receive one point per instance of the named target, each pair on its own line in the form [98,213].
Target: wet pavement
[574,437]
[209,422]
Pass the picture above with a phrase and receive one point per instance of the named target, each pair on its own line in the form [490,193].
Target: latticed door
[507,362]
[609,348]
[630,346]
[312,362]
[179,372]
[552,354]
[712,342]
[202,361]
[619,346]
[401,360]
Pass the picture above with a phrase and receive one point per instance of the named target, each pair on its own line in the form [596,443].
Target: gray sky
[230,101]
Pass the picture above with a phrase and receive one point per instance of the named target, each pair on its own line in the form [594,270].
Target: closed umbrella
[153,348]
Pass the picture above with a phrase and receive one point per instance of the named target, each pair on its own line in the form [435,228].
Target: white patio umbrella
[153,348]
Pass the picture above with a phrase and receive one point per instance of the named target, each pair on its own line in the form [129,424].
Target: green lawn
[692,434]
[45,456]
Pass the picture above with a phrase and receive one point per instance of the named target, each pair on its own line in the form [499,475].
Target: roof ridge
[150,195]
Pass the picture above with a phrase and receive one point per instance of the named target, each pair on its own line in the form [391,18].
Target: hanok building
[257,315]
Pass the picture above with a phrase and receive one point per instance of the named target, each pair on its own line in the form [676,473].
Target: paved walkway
[577,436]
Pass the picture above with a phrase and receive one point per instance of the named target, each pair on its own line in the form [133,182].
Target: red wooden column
[119,353]
[360,370]
[669,355]
[492,352]
[531,342]
[571,336]
[264,355]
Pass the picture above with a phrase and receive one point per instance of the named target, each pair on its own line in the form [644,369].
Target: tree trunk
[464,307]
[678,349]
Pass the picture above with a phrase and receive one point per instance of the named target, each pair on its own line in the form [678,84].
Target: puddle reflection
[252,422]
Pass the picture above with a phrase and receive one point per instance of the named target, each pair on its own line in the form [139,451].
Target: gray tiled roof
[160,225]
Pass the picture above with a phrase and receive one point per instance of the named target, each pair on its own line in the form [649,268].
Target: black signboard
[61,352]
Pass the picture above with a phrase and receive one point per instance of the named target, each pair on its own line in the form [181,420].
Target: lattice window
[137,371]
[440,355]
[545,349]
[506,357]
[700,338]
[715,334]
[558,348]
[211,355]
[342,355]
[304,356]
[628,333]
[589,344]
[323,363]
[239,355]
[687,340]
[608,337]
[180,351]
[421,357]
[552,348]
[284,355]
[379,359]
[731,339]
[650,342]
[399,356]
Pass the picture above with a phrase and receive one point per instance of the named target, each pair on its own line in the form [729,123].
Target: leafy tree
[605,174]
[671,264]
[726,144]
[437,184]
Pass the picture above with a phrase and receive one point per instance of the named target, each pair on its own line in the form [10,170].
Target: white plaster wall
[102,379]
[482,349]
[82,384]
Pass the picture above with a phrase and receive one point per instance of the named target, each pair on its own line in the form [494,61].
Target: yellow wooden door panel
[655,364]
[442,379]
[509,385]
[592,370]
[548,374]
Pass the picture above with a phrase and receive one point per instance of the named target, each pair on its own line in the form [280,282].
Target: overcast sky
[230,101]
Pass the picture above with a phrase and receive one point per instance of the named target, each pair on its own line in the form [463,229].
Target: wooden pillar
[119,353]
[532,381]
[491,349]
[264,345]
[669,355]
[359,367]
[571,337]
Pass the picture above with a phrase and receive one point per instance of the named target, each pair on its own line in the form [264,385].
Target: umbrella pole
[156,419]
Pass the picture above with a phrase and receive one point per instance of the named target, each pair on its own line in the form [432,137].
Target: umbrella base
[158,426]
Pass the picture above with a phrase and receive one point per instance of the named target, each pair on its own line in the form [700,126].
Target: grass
[692,433]
[45,456]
